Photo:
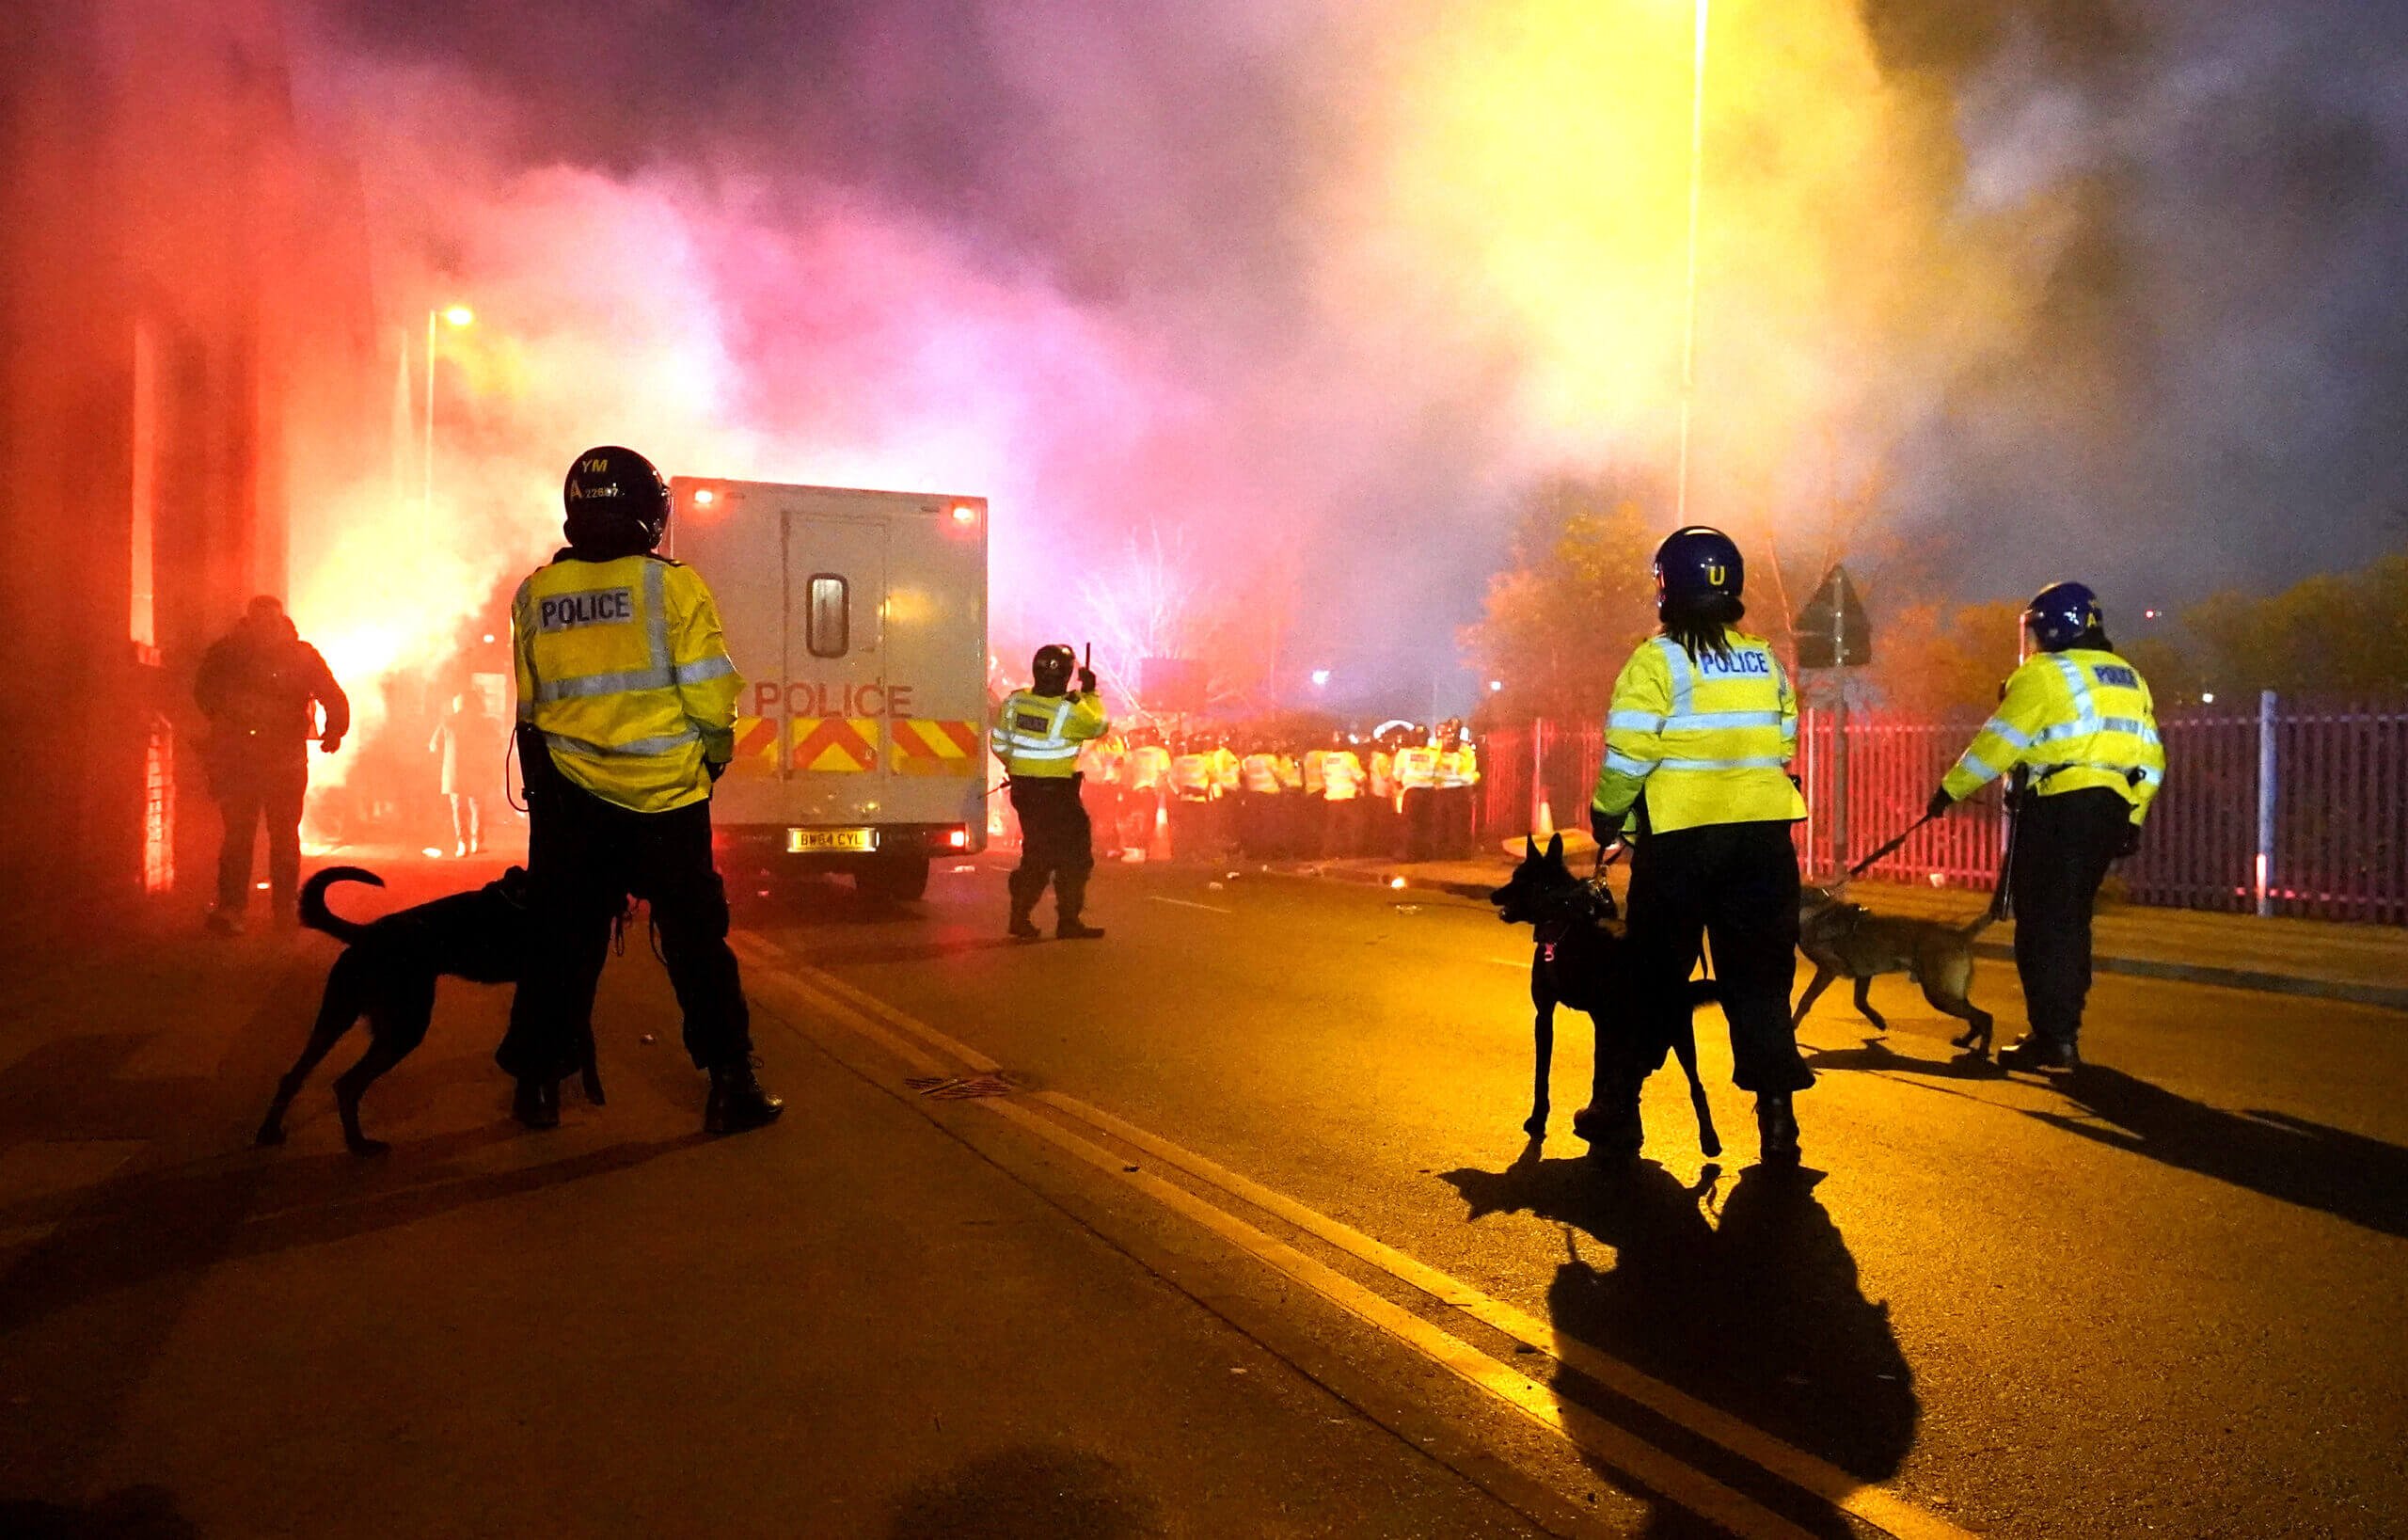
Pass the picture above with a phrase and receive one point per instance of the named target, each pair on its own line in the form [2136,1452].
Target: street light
[456,316]
[1321,679]
[1696,178]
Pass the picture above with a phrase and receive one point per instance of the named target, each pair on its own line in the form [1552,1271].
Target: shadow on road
[1039,1492]
[2312,1165]
[1755,1309]
[131,1513]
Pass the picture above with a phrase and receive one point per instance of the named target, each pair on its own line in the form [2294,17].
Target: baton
[1859,868]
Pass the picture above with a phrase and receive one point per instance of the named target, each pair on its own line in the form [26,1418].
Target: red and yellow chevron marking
[923,747]
[756,747]
[835,745]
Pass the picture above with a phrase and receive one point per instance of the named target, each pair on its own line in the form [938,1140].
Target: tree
[2335,633]
[1931,658]
[1558,622]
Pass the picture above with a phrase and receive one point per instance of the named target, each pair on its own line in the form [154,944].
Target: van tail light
[958,839]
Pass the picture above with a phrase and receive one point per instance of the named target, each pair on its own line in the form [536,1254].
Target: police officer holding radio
[627,715]
[1702,728]
[1037,734]
[2078,720]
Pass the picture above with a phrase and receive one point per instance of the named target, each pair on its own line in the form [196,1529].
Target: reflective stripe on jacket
[1191,776]
[1708,740]
[1040,736]
[1341,775]
[2080,719]
[1261,775]
[1148,765]
[1223,762]
[622,668]
[1417,768]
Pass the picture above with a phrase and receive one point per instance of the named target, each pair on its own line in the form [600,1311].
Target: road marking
[1584,1429]
[1190,903]
[1519,964]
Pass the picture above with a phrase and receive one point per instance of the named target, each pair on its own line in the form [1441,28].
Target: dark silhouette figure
[1755,1309]
[262,688]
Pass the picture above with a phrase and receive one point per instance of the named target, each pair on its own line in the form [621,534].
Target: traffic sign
[1833,630]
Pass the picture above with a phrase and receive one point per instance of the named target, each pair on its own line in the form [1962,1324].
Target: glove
[1606,830]
[2130,844]
[717,768]
[330,743]
[1086,681]
[1940,803]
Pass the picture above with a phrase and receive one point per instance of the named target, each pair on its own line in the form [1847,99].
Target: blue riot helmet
[2061,615]
[1697,561]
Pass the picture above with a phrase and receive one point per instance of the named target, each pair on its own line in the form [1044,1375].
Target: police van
[859,622]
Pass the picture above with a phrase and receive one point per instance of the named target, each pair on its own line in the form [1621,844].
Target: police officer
[262,688]
[1702,726]
[626,713]
[2079,721]
[1038,734]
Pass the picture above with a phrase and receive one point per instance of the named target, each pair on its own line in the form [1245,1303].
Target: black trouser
[584,857]
[1056,845]
[1420,823]
[245,796]
[1193,829]
[2063,848]
[1735,884]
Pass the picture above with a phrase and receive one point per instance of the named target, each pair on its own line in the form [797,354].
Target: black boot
[1777,1130]
[538,1103]
[1611,1123]
[2035,1052]
[738,1102]
[1021,926]
[1076,930]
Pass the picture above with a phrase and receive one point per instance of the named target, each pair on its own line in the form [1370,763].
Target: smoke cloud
[1315,288]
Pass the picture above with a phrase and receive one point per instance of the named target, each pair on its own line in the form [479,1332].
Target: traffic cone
[1546,819]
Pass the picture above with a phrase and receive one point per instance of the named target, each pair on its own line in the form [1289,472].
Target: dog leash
[1858,869]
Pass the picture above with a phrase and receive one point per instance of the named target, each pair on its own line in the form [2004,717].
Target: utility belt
[2133,774]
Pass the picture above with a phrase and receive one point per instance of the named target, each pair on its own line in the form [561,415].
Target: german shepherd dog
[1848,941]
[1576,961]
[387,972]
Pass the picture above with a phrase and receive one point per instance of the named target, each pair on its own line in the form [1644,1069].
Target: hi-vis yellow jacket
[1037,737]
[2080,719]
[623,669]
[1708,740]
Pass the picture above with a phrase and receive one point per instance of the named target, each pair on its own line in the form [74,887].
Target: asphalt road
[1224,1225]
[2167,1298]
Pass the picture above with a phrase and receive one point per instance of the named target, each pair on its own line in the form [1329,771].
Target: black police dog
[1578,961]
[387,974]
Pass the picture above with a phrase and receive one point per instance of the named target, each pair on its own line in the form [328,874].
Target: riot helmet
[617,502]
[1050,671]
[1695,563]
[2062,615]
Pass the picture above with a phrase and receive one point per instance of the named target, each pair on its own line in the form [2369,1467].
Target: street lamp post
[1696,178]
[456,315]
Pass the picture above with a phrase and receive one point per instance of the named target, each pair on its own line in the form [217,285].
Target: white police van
[859,622]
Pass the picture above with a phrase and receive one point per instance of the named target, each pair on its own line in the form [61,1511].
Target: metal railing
[2296,808]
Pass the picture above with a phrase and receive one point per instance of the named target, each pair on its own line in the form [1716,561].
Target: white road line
[1584,1428]
[1190,903]
[1519,964]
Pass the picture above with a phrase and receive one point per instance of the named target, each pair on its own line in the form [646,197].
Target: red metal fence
[2291,808]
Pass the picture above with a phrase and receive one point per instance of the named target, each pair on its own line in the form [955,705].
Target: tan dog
[1848,941]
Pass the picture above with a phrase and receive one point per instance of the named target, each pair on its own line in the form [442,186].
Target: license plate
[805,841]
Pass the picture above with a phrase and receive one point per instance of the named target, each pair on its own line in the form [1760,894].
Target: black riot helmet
[617,502]
[1050,670]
